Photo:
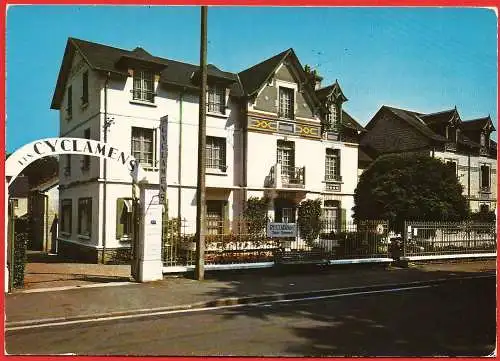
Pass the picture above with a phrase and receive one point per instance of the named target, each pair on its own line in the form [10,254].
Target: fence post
[405,237]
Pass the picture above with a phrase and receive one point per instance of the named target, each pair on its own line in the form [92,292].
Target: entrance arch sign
[33,151]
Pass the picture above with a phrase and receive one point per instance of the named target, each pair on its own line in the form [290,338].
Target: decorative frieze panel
[284,127]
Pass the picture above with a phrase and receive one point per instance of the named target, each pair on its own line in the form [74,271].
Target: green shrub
[309,220]
[19,259]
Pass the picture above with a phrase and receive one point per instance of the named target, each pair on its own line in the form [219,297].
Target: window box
[140,102]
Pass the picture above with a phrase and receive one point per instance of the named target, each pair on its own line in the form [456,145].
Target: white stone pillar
[279,181]
[149,249]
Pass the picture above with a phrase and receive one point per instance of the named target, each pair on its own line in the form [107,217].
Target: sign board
[33,151]
[163,159]
[276,230]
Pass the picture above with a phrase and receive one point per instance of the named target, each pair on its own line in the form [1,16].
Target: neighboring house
[43,208]
[18,194]
[464,144]
[271,132]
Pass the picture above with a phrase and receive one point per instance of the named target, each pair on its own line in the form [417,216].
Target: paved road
[456,318]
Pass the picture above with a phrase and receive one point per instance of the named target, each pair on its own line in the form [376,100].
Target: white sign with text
[163,159]
[278,230]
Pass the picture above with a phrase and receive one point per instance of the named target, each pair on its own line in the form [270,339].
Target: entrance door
[286,157]
[284,211]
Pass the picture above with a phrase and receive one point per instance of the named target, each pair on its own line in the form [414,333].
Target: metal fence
[238,242]
[447,238]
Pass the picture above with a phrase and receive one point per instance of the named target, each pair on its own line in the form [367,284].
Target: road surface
[455,318]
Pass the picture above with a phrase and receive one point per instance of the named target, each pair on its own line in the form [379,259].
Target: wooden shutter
[343,219]
[120,205]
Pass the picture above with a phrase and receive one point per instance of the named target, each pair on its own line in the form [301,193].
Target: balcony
[292,177]
[451,147]
[484,151]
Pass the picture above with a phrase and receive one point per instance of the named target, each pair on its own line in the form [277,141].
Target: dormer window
[286,103]
[451,133]
[332,117]
[143,86]
[216,99]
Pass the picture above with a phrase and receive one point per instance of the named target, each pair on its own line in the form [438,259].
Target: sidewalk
[221,288]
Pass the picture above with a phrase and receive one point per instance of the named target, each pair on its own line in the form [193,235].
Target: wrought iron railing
[448,238]
[293,176]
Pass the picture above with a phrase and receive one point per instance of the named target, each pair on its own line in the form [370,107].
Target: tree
[309,219]
[255,214]
[409,187]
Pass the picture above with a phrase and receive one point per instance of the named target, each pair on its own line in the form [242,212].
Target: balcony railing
[484,151]
[289,177]
[452,147]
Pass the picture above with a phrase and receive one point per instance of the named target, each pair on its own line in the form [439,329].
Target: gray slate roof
[106,58]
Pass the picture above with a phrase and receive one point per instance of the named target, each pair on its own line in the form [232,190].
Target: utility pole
[200,194]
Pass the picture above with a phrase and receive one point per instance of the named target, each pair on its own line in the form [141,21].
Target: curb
[231,301]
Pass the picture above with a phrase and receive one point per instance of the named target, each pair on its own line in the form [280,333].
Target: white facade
[470,177]
[249,155]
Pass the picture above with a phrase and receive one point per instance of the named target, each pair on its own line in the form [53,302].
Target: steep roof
[439,117]
[477,124]
[413,119]
[19,188]
[323,93]
[254,77]
[106,58]
[350,122]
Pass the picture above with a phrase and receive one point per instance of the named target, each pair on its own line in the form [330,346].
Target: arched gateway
[146,265]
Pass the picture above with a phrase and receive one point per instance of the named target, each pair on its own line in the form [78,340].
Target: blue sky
[423,59]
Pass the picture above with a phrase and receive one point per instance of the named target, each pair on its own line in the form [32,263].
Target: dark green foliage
[483,217]
[409,187]
[309,219]
[255,214]
[19,259]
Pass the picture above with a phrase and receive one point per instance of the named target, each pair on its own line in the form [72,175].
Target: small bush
[19,259]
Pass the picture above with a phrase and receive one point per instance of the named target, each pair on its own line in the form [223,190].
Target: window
[69,106]
[216,99]
[85,88]
[484,208]
[451,133]
[452,164]
[286,103]
[485,177]
[332,165]
[124,218]
[142,145]
[66,215]
[215,217]
[288,215]
[86,158]
[84,216]
[216,153]
[143,86]
[284,210]
[331,216]
[286,157]
[332,117]
[483,140]
[67,168]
